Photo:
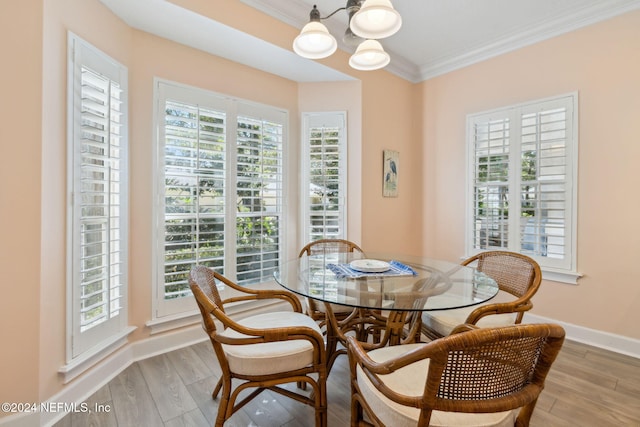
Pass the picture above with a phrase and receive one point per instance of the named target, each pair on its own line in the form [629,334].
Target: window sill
[570,277]
[175,321]
[89,358]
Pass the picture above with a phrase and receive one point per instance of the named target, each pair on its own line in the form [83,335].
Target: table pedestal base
[372,328]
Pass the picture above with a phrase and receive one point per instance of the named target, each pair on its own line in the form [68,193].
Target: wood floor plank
[189,365]
[268,411]
[167,389]
[95,418]
[585,370]
[204,350]
[546,419]
[193,418]
[132,401]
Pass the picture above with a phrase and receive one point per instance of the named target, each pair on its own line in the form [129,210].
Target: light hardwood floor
[586,387]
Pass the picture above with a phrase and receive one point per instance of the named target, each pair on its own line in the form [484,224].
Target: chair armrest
[256,294]
[517,306]
[359,355]
[465,327]
[372,369]
[263,294]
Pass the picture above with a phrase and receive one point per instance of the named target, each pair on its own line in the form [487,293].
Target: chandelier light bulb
[376,19]
[369,56]
[315,41]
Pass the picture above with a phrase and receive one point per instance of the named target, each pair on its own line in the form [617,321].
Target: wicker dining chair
[262,351]
[316,310]
[475,376]
[518,277]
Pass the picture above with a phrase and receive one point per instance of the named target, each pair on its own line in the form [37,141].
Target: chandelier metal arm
[333,13]
[352,7]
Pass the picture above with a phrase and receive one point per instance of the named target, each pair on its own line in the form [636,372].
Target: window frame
[566,269]
[164,90]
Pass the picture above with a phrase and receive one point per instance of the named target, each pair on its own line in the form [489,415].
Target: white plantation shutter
[491,182]
[522,189]
[325,169]
[260,198]
[99,191]
[220,164]
[194,193]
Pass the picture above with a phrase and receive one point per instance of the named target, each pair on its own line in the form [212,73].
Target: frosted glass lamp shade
[376,19]
[314,41]
[369,56]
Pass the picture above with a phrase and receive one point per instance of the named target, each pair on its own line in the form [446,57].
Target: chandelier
[369,20]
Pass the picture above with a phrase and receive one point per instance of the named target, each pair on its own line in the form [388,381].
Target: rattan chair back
[329,245]
[480,370]
[515,273]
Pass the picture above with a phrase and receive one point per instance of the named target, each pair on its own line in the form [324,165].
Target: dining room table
[388,293]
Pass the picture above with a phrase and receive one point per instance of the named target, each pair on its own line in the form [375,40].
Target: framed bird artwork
[390,166]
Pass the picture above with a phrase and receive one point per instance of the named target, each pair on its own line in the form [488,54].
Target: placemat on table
[396,269]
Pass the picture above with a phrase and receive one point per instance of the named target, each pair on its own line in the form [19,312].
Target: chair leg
[216,390]
[321,400]
[356,412]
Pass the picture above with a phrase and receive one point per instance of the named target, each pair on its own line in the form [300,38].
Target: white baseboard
[84,386]
[605,340]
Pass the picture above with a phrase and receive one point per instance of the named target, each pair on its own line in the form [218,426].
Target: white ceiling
[437,36]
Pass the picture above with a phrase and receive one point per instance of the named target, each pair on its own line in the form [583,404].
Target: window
[324,176]
[221,171]
[522,187]
[98,193]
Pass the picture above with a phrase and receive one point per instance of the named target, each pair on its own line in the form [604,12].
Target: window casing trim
[554,272]
[82,345]
[310,120]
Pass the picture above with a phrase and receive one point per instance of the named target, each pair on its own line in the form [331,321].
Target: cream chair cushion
[443,321]
[337,308]
[410,381]
[269,358]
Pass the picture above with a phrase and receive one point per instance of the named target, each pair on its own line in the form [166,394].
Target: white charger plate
[370,265]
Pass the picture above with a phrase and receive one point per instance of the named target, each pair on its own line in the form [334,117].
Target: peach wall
[601,63]
[390,121]
[20,187]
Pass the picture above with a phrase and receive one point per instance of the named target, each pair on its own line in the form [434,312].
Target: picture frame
[390,169]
